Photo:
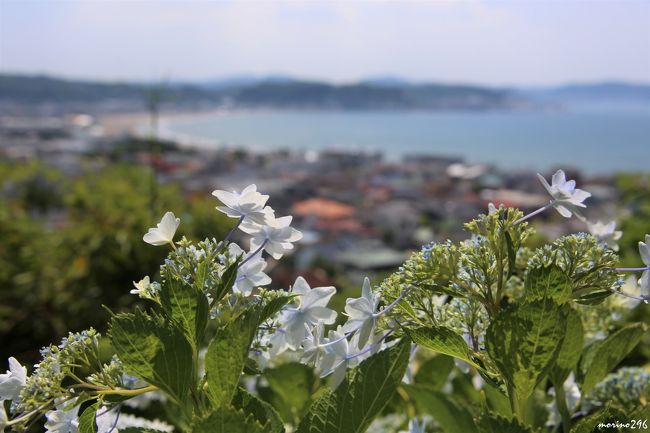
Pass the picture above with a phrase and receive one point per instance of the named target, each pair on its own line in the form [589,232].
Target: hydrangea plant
[531,332]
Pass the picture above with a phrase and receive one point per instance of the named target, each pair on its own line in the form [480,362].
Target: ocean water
[596,141]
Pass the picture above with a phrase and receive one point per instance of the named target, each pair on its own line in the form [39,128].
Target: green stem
[127,392]
[515,404]
[562,408]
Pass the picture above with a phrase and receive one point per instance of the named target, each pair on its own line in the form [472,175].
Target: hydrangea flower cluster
[447,297]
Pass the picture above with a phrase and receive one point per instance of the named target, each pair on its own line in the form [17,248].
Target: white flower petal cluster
[130,421]
[566,197]
[336,358]
[631,299]
[146,289]
[164,231]
[13,381]
[250,273]
[605,233]
[362,313]
[311,310]
[106,419]
[247,205]
[276,237]
[312,346]
[644,282]
[65,419]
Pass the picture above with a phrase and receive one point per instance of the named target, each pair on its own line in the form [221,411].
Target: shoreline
[137,124]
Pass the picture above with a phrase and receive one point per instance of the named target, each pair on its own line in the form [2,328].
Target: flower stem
[369,348]
[627,295]
[230,233]
[127,392]
[392,304]
[632,269]
[254,253]
[533,213]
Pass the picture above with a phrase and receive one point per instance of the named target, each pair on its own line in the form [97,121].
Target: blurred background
[379,126]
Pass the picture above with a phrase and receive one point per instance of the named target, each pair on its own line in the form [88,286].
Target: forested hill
[34,90]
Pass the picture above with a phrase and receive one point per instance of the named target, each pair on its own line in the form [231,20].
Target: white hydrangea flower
[277,236]
[566,197]
[164,231]
[250,273]
[632,296]
[146,289]
[311,309]
[247,205]
[361,312]
[335,360]
[65,419]
[605,233]
[106,419]
[644,282]
[130,421]
[12,382]
[312,345]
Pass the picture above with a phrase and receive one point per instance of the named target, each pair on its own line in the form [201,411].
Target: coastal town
[360,213]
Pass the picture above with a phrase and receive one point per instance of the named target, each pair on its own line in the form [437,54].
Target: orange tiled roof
[322,208]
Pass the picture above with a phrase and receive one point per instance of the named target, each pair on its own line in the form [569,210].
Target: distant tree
[70,246]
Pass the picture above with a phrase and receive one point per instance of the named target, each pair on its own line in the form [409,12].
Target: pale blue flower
[12,382]
[164,231]
[361,312]
[65,419]
[247,205]
[566,197]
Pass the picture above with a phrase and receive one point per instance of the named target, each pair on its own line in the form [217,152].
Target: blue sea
[597,141]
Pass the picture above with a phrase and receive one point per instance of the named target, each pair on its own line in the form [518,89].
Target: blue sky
[491,42]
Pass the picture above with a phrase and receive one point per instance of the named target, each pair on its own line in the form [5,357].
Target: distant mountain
[605,91]
[38,89]
[305,94]
[18,92]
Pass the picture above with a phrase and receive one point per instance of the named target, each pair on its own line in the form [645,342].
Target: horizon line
[304,79]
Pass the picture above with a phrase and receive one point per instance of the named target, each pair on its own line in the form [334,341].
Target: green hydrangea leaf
[292,383]
[492,423]
[434,372]
[187,306]
[362,395]
[602,356]
[571,349]
[443,340]
[524,340]
[228,351]
[605,415]
[227,280]
[228,420]
[547,282]
[152,350]
[451,416]
[87,422]
[263,412]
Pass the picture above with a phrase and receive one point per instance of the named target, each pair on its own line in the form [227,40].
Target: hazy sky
[490,42]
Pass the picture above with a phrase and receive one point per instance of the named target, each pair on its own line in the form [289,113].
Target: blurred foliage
[634,191]
[70,246]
